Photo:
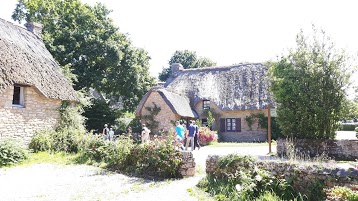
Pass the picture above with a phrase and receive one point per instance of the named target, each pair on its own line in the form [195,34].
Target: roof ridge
[221,67]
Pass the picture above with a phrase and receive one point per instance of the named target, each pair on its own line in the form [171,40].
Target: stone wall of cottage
[246,135]
[337,149]
[304,175]
[21,123]
[166,117]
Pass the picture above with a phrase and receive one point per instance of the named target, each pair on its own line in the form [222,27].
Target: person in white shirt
[111,134]
[145,134]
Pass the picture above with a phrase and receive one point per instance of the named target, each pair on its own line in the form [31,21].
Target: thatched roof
[239,87]
[25,60]
[178,104]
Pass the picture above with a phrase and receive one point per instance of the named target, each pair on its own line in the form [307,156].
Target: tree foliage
[85,38]
[98,114]
[309,87]
[188,59]
[350,110]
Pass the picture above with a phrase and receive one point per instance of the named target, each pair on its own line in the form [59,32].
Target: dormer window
[18,97]
[206,104]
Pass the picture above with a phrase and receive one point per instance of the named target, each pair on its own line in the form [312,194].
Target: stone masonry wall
[21,123]
[246,135]
[187,168]
[337,149]
[303,175]
[165,116]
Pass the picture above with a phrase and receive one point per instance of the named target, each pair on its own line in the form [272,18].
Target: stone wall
[21,123]
[246,135]
[337,149]
[166,117]
[187,168]
[303,175]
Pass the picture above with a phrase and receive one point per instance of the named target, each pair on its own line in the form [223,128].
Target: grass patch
[240,144]
[53,158]
[199,170]
[200,194]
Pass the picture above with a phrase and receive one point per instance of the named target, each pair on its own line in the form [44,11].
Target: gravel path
[83,182]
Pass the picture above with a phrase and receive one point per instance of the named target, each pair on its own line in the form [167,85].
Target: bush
[11,152]
[66,140]
[62,140]
[237,178]
[349,126]
[92,147]
[42,140]
[342,193]
[118,152]
[206,136]
[157,158]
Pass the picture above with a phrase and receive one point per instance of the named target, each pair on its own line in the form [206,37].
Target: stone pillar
[187,168]
[176,68]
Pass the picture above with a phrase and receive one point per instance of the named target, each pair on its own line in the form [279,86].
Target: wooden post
[269,127]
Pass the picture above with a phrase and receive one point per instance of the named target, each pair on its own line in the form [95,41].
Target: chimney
[176,68]
[35,28]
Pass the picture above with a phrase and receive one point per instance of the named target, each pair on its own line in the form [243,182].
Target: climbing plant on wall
[263,123]
[149,118]
[211,116]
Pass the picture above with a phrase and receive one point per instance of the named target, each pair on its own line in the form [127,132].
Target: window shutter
[222,125]
[238,124]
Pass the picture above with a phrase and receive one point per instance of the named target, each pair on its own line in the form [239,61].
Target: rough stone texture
[337,149]
[166,117]
[246,135]
[187,168]
[303,175]
[21,123]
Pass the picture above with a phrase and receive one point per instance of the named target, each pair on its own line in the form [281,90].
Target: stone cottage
[230,93]
[32,86]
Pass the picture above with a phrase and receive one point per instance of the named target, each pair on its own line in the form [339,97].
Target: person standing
[111,134]
[190,136]
[105,132]
[196,136]
[145,134]
[179,129]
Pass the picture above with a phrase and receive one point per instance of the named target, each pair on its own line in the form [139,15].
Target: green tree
[98,114]
[85,38]
[188,59]
[308,86]
[350,110]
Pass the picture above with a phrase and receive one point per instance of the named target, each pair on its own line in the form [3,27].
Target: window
[204,122]
[230,125]
[206,104]
[18,97]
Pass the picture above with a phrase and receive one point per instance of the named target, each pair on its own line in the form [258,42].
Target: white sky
[227,31]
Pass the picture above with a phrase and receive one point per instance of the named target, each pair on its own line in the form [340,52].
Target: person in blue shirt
[180,130]
[190,136]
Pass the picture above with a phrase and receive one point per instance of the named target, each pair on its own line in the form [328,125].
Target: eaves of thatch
[239,87]
[178,104]
[25,60]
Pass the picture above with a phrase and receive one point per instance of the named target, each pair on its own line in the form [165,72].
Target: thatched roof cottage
[32,85]
[231,93]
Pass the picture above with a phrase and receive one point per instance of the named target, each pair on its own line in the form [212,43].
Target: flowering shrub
[206,136]
[158,157]
[92,147]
